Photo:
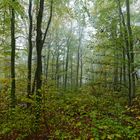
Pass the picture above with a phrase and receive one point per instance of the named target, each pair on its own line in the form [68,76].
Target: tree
[30,49]
[130,43]
[67,60]
[78,55]
[13,47]
[40,39]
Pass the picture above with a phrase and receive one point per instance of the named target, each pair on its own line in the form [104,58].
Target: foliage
[84,77]
[82,114]
[16,123]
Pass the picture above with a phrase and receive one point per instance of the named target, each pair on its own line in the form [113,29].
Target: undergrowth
[76,115]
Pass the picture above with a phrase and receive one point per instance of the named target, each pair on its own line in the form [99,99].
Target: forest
[69,69]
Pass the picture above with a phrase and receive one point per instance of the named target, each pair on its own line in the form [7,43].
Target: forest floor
[80,115]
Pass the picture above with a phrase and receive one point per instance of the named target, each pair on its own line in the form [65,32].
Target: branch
[49,22]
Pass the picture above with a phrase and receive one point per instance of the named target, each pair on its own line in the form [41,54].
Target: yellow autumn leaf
[118,135]
[110,137]
[138,117]
[103,127]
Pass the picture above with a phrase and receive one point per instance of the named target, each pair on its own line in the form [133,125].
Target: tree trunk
[64,70]
[121,17]
[77,70]
[30,49]
[67,63]
[126,39]
[81,68]
[124,66]
[52,69]
[13,47]
[39,46]
[78,57]
[48,59]
[130,40]
[57,68]
[71,71]
[40,40]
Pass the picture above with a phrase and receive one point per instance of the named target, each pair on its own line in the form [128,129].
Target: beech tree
[131,53]
[30,48]
[13,48]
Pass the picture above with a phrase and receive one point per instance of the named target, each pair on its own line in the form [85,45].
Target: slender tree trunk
[52,69]
[127,52]
[71,71]
[13,47]
[130,40]
[64,70]
[123,46]
[34,83]
[39,45]
[57,68]
[38,75]
[48,59]
[81,68]
[67,63]
[120,77]
[40,40]
[30,49]
[124,66]
[115,77]
[116,74]
[78,57]
[77,70]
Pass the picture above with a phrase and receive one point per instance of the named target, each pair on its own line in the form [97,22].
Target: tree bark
[48,59]
[13,47]
[71,68]
[57,67]
[40,40]
[39,45]
[81,68]
[128,49]
[78,57]
[67,62]
[130,42]
[30,49]
[52,67]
